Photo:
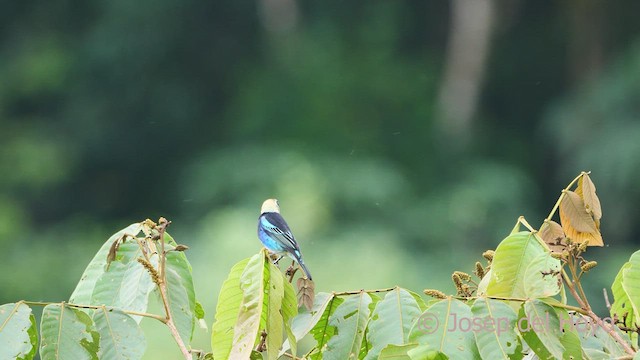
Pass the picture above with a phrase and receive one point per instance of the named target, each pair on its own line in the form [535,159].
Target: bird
[275,235]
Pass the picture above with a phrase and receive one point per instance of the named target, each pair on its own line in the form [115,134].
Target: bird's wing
[277,226]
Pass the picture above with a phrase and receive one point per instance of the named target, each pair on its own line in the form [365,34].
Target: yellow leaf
[577,223]
[575,212]
[593,239]
[591,201]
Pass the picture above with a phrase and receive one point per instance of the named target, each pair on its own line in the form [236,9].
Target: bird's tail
[304,267]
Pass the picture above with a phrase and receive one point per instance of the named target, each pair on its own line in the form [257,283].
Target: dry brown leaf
[572,209]
[306,292]
[551,233]
[591,201]
[113,250]
[578,225]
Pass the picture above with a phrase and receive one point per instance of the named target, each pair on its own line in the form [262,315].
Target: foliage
[102,316]
[513,306]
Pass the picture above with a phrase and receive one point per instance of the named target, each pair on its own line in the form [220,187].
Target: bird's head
[270,205]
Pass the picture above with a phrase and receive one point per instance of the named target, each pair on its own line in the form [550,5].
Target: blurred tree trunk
[467,49]
[586,20]
[278,16]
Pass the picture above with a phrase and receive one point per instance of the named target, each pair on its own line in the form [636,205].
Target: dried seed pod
[488,255]
[152,271]
[435,293]
[457,281]
[583,246]
[463,275]
[479,270]
[556,255]
[588,266]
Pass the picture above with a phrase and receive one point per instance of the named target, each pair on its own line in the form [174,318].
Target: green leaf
[84,290]
[494,329]
[411,352]
[540,328]
[306,320]
[275,320]
[445,326]
[570,338]
[542,277]
[594,337]
[610,344]
[67,333]
[396,352]
[392,320]
[127,284]
[199,311]
[120,335]
[592,354]
[249,318]
[18,332]
[349,321]
[289,313]
[181,292]
[180,305]
[510,262]
[484,283]
[426,352]
[323,332]
[375,298]
[621,307]
[227,310]
[631,284]
[419,300]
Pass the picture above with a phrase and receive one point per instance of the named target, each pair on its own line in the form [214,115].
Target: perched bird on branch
[275,235]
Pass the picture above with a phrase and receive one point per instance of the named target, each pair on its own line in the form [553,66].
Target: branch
[82,306]
[523,221]
[609,329]
[355,292]
[504,298]
[584,304]
[291,270]
[162,226]
[555,207]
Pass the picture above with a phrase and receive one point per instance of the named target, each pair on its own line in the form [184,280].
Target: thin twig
[291,270]
[355,292]
[609,329]
[504,298]
[606,299]
[82,306]
[584,304]
[526,224]
[555,207]
[162,226]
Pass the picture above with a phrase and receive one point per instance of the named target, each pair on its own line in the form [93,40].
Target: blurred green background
[402,138]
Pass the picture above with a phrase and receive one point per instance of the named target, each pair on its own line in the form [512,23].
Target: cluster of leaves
[257,305]
[101,319]
[515,307]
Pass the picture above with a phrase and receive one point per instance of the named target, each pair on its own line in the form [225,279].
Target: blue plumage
[275,235]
